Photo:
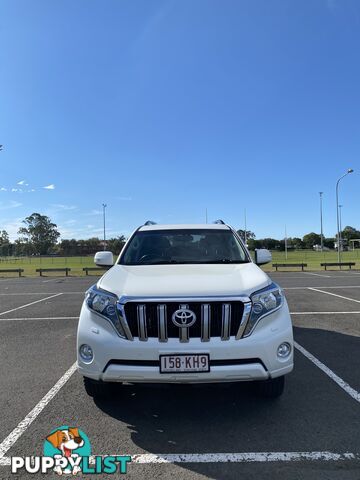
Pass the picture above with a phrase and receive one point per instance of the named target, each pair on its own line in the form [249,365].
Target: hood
[184,280]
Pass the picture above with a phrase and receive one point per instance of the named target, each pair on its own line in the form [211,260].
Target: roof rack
[149,222]
[219,222]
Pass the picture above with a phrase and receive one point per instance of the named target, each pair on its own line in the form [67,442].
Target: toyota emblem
[183,318]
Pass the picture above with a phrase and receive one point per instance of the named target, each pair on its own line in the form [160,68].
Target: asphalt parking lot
[192,432]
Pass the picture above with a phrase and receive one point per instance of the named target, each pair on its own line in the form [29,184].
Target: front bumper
[254,357]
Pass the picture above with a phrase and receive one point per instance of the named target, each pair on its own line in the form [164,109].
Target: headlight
[105,304]
[264,302]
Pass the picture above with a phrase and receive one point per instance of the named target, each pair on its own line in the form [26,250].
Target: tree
[269,243]
[68,247]
[40,233]
[5,245]
[4,237]
[249,234]
[116,244]
[251,244]
[22,247]
[329,242]
[297,243]
[350,233]
[311,239]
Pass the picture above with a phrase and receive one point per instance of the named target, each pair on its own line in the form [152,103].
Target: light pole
[321,222]
[350,170]
[245,227]
[340,217]
[340,223]
[104,206]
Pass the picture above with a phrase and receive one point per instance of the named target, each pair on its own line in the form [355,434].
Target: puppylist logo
[67,450]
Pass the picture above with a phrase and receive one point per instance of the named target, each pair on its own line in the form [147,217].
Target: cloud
[95,212]
[85,231]
[22,182]
[68,232]
[12,204]
[50,187]
[12,227]
[21,190]
[60,206]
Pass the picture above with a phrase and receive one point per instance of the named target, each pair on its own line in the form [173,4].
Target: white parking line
[325,286]
[330,276]
[14,436]
[29,304]
[345,386]
[241,457]
[333,294]
[48,293]
[33,293]
[245,457]
[39,318]
[335,277]
[317,274]
[319,313]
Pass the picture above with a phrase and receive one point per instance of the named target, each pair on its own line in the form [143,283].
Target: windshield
[158,247]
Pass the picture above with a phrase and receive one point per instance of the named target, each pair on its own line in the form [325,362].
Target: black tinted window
[183,246]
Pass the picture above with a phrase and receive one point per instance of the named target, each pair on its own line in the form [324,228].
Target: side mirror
[104,259]
[262,256]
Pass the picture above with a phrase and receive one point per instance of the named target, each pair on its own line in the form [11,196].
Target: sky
[165,108]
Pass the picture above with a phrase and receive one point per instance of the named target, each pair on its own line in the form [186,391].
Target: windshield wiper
[227,260]
[161,262]
[192,262]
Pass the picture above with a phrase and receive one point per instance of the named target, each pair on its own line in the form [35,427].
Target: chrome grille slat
[244,320]
[226,319]
[183,332]
[205,322]
[124,323]
[141,317]
[162,323]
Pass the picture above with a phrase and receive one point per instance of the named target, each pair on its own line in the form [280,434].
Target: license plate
[184,363]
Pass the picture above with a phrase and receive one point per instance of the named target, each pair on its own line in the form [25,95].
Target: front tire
[271,388]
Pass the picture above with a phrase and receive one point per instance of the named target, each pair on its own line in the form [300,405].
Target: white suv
[185,304]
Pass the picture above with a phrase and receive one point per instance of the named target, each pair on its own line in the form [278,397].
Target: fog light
[284,350]
[86,353]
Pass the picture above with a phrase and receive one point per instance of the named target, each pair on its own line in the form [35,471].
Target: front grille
[213,319]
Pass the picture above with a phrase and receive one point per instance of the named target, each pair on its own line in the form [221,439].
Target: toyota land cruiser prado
[185,304]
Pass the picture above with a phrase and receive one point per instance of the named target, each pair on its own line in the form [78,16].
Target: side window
[132,252]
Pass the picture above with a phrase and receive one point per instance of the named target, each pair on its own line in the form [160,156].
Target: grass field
[312,258]
[30,264]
